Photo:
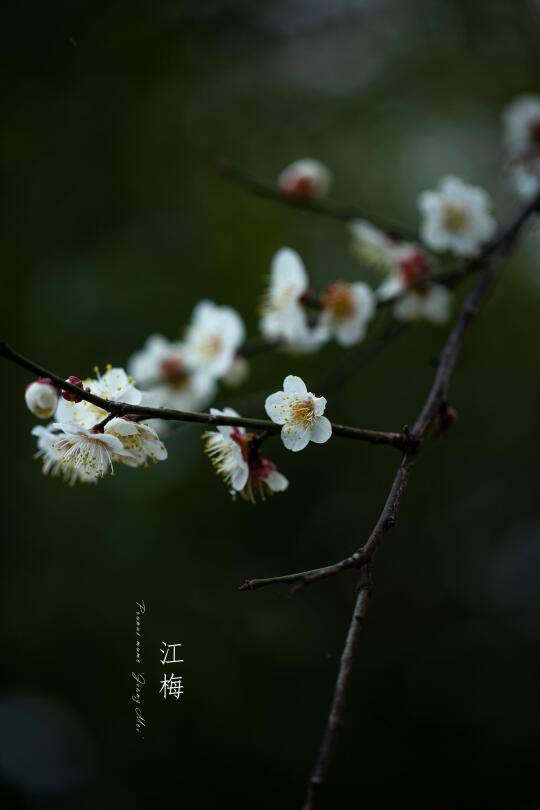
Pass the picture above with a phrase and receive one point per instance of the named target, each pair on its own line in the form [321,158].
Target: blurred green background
[115,224]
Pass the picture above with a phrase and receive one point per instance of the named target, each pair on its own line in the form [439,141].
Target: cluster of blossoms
[343,310]
[184,374]
[83,443]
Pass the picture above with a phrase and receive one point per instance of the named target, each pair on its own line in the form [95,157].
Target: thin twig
[335,210]
[335,716]
[398,440]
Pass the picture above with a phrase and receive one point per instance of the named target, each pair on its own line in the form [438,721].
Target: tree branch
[335,716]
[335,210]
[398,440]
[434,406]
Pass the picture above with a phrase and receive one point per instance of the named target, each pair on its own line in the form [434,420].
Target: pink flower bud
[41,398]
[68,395]
[305,178]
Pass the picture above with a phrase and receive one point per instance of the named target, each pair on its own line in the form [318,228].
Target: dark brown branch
[398,440]
[335,210]
[335,716]
[435,405]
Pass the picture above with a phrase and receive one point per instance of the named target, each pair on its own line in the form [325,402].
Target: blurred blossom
[521,134]
[305,178]
[456,217]
[238,373]
[347,308]
[213,338]
[431,303]
[162,366]
[283,315]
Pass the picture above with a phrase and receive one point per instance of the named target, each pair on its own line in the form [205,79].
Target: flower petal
[276,407]
[295,441]
[294,385]
[321,430]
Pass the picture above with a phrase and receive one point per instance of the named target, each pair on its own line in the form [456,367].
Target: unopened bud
[305,178]
[237,373]
[68,395]
[41,398]
[447,421]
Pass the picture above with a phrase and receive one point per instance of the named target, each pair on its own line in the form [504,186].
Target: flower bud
[305,178]
[237,373]
[68,395]
[447,420]
[41,398]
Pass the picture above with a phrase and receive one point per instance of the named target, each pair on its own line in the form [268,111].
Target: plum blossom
[456,217]
[114,385]
[410,265]
[300,413]
[51,457]
[213,338]
[237,373]
[306,178]
[373,247]
[236,456]
[347,308]
[284,317]
[41,398]
[521,132]
[78,448]
[76,452]
[521,124]
[139,441]
[162,366]
[431,303]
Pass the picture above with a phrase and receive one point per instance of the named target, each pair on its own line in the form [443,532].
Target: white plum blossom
[300,413]
[139,441]
[521,123]
[236,457]
[224,448]
[41,398]
[409,266]
[307,178]
[431,303]
[52,458]
[372,246]
[213,338]
[162,366]
[238,372]
[456,217]
[114,385]
[347,308]
[82,452]
[521,132]
[78,448]
[284,317]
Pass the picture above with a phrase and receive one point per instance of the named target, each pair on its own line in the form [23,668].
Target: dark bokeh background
[115,224]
